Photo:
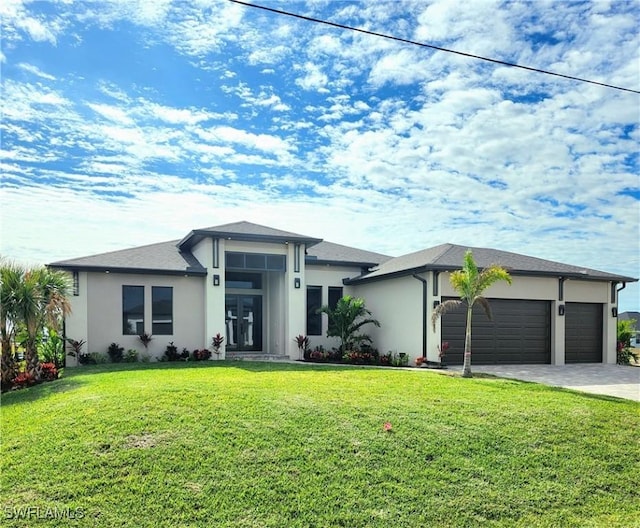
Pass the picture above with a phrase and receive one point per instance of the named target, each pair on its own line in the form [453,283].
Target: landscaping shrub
[625,331]
[115,352]
[24,379]
[131,356]
[171,353]
[49,371]
[201,355]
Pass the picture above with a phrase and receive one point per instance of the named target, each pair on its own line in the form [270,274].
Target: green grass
[280,445]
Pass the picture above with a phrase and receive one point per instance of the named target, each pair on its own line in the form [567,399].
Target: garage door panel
[519,333]
[583,333]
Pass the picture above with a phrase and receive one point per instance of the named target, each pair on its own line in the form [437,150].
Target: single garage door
[520,333]
[583,333]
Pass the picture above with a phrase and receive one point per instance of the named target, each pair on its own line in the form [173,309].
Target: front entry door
[243,315]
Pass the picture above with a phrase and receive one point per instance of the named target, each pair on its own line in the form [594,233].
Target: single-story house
[261,287]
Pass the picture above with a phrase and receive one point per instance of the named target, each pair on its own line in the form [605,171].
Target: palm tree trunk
[33,361]
[466,368]
[8,366]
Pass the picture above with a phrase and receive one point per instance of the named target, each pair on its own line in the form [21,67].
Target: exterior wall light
[614,312]
[296,282]
[436,303]
[216,280]
[561,309]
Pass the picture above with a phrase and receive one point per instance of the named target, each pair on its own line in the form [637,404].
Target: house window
[243,281]
[255,261]
[314,302]
[76,283]
[133,310]
[335,294]
[161,310]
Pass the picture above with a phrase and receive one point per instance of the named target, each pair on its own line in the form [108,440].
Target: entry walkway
[597,378]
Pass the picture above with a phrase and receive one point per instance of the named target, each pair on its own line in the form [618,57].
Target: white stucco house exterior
[260,288]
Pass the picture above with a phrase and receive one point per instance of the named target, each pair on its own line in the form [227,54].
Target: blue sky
[131,122]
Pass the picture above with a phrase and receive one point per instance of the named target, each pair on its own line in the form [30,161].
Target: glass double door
[243,318]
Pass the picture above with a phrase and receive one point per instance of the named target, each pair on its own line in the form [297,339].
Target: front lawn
[282,445]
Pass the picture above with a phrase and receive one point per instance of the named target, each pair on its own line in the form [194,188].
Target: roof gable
[246,231]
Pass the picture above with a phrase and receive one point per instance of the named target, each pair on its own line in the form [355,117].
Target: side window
[161,310]
[133,310]
[314,302]
[335,294]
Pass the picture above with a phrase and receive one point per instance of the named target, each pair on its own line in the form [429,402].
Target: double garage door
[520,333]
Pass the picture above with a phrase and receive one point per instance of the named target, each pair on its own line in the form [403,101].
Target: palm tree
[41,299]
[345,321]
[470,283]
[11,275]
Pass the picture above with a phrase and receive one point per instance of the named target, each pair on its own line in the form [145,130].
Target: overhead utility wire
[423,45]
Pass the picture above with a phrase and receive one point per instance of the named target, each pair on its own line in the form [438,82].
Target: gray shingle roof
[245,231]
[163,257]
[331,253]
[449,257]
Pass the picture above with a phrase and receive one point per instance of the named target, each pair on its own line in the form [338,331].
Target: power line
[430,46]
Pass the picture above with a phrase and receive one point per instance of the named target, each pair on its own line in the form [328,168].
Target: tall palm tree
[11,275]
[42,299]
[470,283]
[346,320]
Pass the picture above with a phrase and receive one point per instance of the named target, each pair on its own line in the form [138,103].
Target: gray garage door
[583,333]
[520,333]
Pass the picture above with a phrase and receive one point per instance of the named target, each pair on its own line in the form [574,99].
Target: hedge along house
[261,287]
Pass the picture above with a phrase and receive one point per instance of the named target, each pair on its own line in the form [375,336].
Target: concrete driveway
[612,380]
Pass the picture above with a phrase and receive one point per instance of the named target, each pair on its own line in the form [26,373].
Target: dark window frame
[314,302]
[131,309]
[332,300]
[161,319]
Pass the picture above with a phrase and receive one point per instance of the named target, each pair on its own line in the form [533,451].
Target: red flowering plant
[420,360]
[442,350]
[49,371]
[24,379]
[201,355]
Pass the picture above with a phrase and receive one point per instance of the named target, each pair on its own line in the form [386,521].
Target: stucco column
[557,334]
[609,334]
[295,289]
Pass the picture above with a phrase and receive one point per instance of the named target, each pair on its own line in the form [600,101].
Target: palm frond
[443,308]
[482,301]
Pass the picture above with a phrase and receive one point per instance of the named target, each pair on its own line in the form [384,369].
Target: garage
[520,333]
[583,333]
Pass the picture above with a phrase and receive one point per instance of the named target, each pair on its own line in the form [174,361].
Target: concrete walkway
[612,380]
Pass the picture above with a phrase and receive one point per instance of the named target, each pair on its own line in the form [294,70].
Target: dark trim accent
[312,261]
[436,274]
[424,313]
[296,258]
[216,252]
[561,288]
[134,271]
[615,291]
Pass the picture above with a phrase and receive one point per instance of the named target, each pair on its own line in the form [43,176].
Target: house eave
[522,273]
[189,271]
[197,235]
